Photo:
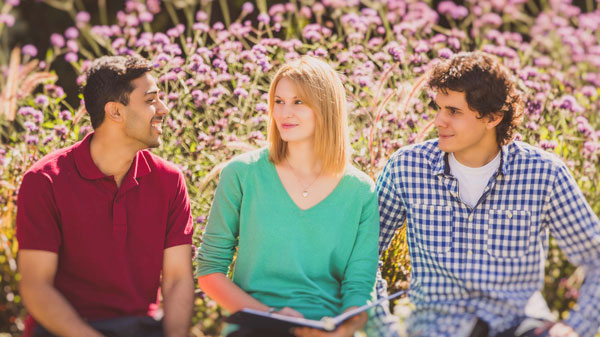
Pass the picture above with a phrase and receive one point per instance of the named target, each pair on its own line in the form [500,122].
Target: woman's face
[294,119]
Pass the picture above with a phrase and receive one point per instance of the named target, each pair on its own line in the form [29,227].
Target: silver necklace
[304,188]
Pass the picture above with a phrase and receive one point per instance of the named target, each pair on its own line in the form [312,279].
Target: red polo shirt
[110,241]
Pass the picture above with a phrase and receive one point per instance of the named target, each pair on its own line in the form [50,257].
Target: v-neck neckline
[289,197]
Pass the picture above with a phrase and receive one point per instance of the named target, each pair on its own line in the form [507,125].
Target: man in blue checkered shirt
[479,209]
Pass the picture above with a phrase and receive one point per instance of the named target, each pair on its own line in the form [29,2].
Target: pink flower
[30,50]
[146,17]
[71,57]
[57,40]
[82,17]
[7,19]
[71,33]
[247,7]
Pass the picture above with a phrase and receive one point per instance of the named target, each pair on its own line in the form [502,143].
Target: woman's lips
[288,126]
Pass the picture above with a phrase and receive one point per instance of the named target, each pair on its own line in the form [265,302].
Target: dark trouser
[242,332]
[135,326]
[481,329]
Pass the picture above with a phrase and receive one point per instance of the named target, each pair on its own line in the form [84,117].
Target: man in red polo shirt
[104,223]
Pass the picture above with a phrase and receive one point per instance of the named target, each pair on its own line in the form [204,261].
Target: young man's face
[460,130]
[144,114]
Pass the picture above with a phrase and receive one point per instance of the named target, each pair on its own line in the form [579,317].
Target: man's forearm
[53,312]
[178,307]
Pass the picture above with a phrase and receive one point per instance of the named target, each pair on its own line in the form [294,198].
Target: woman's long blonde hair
[320,88]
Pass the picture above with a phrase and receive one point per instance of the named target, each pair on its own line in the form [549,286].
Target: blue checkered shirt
[485,261]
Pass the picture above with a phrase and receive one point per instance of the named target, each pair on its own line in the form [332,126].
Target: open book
[257,319]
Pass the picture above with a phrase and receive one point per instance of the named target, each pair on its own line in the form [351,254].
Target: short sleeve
[38,219]
[180,225]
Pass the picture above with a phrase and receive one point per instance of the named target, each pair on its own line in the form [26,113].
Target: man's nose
[162,108]
[439,121]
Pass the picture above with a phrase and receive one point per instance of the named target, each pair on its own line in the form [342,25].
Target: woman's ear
[113,111]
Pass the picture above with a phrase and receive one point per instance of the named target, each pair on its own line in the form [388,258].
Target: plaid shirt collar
[440,166]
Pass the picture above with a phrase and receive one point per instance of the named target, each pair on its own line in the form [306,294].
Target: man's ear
[494,119]
[113,111]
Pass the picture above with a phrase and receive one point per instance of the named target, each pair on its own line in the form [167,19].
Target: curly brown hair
[489,87]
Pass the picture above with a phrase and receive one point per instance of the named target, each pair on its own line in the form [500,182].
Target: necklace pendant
[305,194]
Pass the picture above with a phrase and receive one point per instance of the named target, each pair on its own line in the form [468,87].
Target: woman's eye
[298,102]
[278,101]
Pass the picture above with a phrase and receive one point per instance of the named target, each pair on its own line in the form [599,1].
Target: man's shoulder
[424,152]
[55,162]
[526,155]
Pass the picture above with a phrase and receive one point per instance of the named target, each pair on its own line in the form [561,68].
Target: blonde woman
[304,220]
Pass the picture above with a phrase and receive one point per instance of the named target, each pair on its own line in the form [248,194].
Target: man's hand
[559,329]
[347,329]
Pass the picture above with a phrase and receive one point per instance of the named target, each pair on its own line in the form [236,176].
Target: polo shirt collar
[88,169]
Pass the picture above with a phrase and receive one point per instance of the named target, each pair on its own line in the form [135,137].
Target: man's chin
[444,147]
[154,143]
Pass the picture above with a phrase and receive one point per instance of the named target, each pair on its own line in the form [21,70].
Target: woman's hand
[347,329]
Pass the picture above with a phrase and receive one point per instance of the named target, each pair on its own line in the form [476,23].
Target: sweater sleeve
[220,237]
[359,277]
[576,229]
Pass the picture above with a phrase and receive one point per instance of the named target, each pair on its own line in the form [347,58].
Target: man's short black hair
[489,87]
[109,80]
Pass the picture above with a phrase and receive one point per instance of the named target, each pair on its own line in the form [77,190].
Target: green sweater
[318,261]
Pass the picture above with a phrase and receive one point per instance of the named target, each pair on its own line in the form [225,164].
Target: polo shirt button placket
[119,221]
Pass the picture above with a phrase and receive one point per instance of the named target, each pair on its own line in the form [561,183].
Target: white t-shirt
[472,180]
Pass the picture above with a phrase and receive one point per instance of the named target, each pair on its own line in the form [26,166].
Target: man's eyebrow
[152,91]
